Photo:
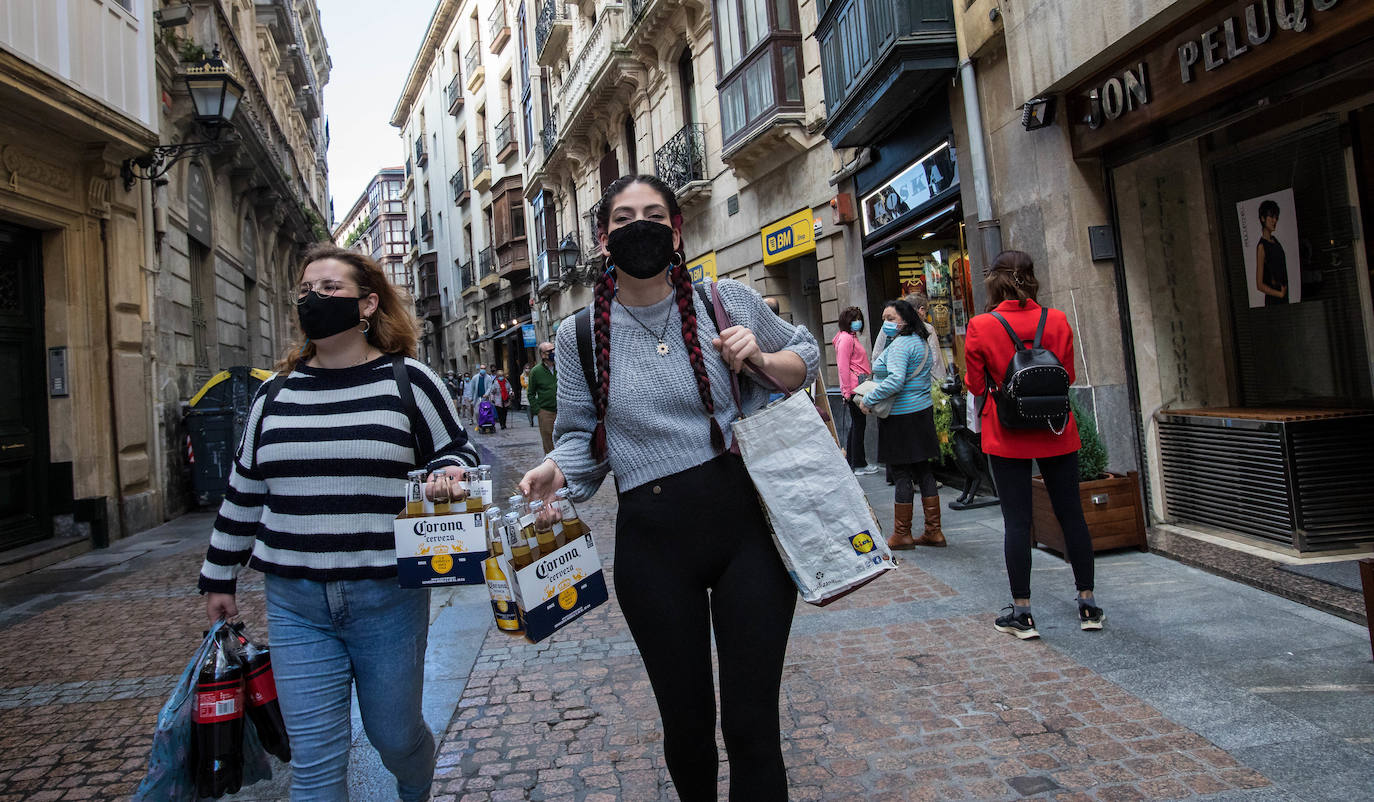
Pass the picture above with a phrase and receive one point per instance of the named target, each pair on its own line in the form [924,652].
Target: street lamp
[216,95]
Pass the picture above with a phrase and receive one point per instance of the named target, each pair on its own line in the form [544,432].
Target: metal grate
[1232,478]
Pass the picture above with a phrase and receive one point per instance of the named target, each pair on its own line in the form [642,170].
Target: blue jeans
[325,636]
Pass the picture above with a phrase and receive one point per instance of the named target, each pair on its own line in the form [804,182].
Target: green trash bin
[215,419]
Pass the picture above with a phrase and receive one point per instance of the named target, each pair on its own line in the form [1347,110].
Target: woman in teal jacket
[906,437]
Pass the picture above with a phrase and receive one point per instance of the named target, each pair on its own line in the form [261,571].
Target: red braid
[601,330]
[687,310]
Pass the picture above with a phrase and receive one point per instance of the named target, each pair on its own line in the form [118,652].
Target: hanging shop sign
[1229,46]
[703,268]
[788,238]
[527,332]
[911,189]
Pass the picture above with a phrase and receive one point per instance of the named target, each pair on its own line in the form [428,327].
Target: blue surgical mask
[889,328]
[856,325]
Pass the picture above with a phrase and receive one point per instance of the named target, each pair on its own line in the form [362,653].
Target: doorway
[23,405]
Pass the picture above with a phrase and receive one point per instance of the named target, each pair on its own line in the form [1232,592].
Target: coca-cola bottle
[217,722]
[261,692]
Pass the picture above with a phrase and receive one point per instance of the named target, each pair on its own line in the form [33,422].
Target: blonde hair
[392,329]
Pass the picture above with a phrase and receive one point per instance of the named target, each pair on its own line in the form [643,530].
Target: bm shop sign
[788,238]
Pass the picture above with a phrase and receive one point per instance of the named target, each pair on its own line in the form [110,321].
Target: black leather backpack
[1035,390]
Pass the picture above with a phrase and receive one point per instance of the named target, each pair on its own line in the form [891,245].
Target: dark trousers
[501,416]
[693,555]
[854,444]
[913,475]
[1013,478]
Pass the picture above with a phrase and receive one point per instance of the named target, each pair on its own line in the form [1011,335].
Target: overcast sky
[372,45]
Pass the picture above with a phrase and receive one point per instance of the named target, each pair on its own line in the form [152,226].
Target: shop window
[1307,346]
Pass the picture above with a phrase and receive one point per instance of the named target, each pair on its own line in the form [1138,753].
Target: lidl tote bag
[822,524]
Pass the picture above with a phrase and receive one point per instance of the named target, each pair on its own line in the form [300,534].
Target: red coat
[988,347]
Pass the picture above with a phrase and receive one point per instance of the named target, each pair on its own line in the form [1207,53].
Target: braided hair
[681,279]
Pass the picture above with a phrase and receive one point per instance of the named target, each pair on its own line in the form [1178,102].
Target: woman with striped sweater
[906,437]
[315,485]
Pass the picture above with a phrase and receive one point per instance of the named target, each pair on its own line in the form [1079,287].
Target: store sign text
[1118,95]
[1222,43]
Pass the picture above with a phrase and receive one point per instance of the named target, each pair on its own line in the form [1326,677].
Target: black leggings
[911,475]
[1013,478]
[693,553]
[854,444]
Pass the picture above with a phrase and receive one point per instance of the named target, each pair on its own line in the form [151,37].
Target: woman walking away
[906,437]
[852,359]
[317,480]
[989,348]
[693,553]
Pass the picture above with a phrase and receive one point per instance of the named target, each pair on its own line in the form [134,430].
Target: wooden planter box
[1112,507]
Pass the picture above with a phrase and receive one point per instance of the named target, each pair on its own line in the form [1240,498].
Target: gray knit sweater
[655,422]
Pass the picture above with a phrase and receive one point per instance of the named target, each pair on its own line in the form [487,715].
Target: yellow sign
[790,237]
[703,268]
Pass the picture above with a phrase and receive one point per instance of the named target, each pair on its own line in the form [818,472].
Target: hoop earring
[367,325]
[678,260]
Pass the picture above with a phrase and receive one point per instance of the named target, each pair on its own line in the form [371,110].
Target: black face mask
[326,316]
[642,249]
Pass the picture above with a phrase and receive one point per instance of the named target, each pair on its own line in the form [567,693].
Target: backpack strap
[269,394]
[398,370]
[706,302]
[1016,338]
[1040,328]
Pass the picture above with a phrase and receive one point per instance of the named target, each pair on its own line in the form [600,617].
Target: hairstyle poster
[1269,243]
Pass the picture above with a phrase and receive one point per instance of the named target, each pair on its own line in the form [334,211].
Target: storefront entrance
[23,405]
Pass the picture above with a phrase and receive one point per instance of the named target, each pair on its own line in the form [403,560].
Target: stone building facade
[78,453]
[230,226]
[464,187]
[632,87]
[376,226]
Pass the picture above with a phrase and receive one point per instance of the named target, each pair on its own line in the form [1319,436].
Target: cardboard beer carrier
[434,549]
[558,587]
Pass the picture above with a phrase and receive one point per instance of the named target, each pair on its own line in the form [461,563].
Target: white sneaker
[866,471]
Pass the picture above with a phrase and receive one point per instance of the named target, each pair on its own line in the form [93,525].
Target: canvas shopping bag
[822,525]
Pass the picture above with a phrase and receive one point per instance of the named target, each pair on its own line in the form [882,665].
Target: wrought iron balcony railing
[473,60]
[505,134]
[682,159]
[479,159]
[426,232]
[454,94]
[497,27]
[551,16]
[459,182]
[486,263]
[548,135]
[421,157]
[465,276]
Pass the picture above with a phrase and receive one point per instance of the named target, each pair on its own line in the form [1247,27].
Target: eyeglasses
[324,288]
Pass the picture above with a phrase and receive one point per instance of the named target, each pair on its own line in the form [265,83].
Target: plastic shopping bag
[171,775]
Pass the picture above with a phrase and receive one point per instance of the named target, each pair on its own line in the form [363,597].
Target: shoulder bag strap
[706,302]
[722,316]
[1040,327]
[398,369]
[1015,338]
[582,321]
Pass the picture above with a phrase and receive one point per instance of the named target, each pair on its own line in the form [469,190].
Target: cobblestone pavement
[1198,688]
[903,691]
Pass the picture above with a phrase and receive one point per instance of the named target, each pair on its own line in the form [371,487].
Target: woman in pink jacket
[852,359]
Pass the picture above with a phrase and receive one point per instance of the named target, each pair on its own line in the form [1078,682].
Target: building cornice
[444,14]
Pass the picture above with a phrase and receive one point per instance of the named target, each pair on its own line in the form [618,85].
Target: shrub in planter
[1111,502]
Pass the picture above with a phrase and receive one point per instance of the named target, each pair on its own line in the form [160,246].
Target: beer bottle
[484,476]
[503,607]
[415,494]
[573,528]
[472,483]
[492,520]
[443,494]
[519,548]
[543,527]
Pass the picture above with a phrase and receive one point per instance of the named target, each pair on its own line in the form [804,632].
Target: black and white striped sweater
[317,497]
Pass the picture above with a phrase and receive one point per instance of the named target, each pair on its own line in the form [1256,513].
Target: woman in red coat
[988,347]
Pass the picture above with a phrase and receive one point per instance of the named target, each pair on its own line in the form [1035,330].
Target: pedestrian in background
[525,388]
[907,441]
[314,487]
[477,390]
[500,396]
[544,394]
[693,552]
[851,359]
[988,350]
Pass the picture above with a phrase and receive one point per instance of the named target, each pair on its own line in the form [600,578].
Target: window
[760,58]
[631,163]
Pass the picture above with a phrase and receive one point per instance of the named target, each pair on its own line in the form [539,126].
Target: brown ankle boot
[932,536]
[901,528]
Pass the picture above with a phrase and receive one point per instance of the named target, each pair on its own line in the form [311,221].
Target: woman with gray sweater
[693,551]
